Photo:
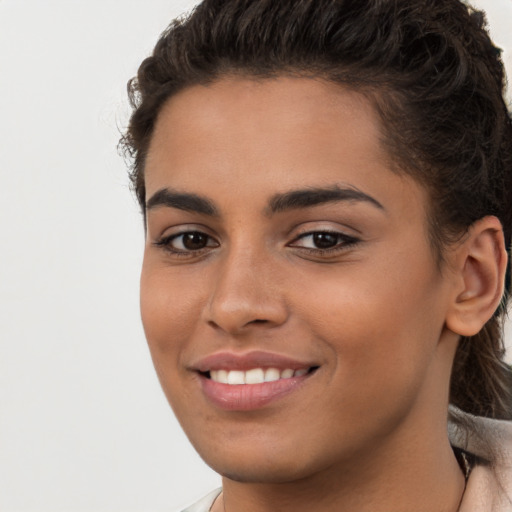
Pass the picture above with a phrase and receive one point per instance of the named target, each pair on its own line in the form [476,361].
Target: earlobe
[481,261]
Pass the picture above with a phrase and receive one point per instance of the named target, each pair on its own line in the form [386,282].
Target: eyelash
[343,244]
[165,244]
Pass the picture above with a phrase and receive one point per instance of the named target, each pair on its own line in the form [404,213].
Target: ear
[480,265]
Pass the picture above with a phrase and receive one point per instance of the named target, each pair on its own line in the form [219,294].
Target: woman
[327,194]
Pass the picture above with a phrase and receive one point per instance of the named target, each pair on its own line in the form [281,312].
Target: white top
[204,504]
[489,489]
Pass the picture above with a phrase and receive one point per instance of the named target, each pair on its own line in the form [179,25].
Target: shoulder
[204,504]
[487,438]
[489,486]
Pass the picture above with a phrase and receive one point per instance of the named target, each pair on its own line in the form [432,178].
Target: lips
[247,361]
[250,381]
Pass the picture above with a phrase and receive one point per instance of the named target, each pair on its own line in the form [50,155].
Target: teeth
[236,377]
[272,374]
[286,374]
[254,376]
[222,376]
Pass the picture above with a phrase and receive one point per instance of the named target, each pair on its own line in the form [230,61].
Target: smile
[250,381]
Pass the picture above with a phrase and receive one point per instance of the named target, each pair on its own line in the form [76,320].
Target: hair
[436,81]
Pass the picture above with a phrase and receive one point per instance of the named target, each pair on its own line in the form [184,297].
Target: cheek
[382,325]
[169,312]
[169,316]
[168,300]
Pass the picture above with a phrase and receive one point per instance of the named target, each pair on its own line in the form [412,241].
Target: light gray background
[84,425]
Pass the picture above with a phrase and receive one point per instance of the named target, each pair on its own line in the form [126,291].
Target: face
[289,295]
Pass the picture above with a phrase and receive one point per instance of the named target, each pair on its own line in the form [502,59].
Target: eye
[187,242]
[324,241]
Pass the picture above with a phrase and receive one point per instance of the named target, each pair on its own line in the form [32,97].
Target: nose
[247,293]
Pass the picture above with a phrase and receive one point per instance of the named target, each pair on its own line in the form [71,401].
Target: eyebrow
[316,196]
[182,201]
[294,199]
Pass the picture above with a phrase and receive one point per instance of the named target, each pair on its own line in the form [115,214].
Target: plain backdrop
[84,425]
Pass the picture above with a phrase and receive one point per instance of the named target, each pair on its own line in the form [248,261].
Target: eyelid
[178,228]
[312,232]
[336,228]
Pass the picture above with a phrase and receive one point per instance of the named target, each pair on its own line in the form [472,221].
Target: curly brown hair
[434,77]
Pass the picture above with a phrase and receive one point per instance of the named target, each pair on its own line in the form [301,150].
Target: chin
[265,466]
[269,474]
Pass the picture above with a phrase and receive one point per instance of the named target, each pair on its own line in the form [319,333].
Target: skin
[367,431]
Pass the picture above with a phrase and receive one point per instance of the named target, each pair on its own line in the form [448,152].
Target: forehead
[251,114]
[270,135]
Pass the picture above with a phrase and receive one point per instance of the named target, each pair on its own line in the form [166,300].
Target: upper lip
[247,361]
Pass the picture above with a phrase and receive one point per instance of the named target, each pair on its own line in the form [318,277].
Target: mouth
[244,382]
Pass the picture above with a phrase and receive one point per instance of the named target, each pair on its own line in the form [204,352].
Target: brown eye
[194,241]
[187,242]
[325,240]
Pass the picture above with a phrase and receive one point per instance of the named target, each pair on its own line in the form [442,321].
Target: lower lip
[247,397]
